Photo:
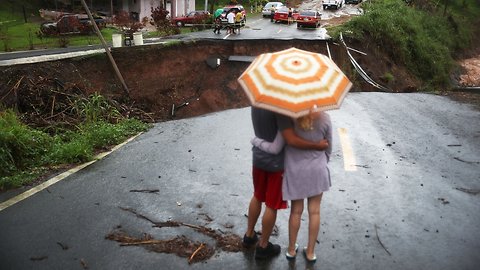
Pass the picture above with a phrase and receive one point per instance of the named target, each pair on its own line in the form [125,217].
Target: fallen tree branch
[137,214]
[195,252]
[468,190]
[145,190]
[146,242]
[470,162]
[14,88]
[378,238]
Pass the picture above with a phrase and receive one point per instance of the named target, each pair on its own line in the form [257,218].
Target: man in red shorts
[267,172]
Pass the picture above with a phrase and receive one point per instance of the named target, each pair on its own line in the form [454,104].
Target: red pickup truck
[71,24]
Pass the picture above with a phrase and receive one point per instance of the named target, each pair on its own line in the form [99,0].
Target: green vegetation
[27,153]
[24,37]
[424,37]
[388,77]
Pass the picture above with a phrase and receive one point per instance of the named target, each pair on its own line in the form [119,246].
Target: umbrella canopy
[292,81]
[218,12]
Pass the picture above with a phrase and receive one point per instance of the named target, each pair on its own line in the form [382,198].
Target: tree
[161,21]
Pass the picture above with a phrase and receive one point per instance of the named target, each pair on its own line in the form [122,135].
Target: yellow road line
[59,177]
[349,161]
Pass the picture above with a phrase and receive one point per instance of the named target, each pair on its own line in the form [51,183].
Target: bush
[75,150]
[96,108]
[20,146]
[161,21]
[423,40]
[26,153]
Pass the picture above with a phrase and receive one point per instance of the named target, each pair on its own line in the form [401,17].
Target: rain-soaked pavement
[405,173]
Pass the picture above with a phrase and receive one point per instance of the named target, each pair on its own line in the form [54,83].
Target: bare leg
[294,224]
[268,221]
[313,223]
[254,210]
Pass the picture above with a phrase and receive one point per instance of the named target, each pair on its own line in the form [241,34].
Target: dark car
[281,15]
[71,24]
[309,18]
[194,17]
[353,1]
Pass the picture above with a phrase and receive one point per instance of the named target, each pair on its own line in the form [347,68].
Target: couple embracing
[290,159]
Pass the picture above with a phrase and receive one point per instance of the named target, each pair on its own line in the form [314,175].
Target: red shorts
[267,188]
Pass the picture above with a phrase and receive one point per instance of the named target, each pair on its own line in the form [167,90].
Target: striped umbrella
[292,81]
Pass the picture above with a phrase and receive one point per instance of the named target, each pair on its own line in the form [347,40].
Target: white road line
[226,36]
[279,31]
[349,161]
[44,185]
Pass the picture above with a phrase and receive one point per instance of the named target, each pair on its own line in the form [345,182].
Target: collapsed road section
[174,80]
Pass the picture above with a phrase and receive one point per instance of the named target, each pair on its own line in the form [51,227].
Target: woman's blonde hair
[306,122]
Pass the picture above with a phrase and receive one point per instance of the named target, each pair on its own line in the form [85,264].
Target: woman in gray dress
[306,176]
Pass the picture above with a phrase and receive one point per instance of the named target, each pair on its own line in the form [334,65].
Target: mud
[162,77]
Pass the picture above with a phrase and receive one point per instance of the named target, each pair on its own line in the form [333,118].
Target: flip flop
[313,260]
[292,257]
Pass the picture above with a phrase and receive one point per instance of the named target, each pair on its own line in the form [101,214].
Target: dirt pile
[472,72]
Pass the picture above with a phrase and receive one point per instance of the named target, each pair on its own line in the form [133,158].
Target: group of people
[290,158]
[234,20]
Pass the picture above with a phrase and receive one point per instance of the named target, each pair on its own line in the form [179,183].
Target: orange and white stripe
[293,80]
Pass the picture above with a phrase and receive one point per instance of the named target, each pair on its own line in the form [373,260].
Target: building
[137,8]
[142,8]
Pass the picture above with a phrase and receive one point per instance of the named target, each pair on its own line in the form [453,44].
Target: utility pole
[111,11]
[107,50]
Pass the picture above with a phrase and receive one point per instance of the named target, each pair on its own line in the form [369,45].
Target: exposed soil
[174,81]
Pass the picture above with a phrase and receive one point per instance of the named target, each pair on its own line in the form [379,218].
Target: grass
[18,35]
[24,37]
[424,40]
[27,153]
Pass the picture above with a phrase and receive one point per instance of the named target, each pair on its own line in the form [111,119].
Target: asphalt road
[405,170]
[404,167]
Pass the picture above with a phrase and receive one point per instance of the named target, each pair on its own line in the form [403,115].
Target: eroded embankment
[160,76]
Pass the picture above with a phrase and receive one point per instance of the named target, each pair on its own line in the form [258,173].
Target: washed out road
[405,173]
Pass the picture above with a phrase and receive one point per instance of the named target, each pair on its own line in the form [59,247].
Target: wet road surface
[405,169]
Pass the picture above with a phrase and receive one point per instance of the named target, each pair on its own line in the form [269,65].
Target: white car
[266,10]
[332,3]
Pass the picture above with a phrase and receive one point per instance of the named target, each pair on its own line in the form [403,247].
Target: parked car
[308,18]
[234,8]
[332,3]
[282,15]
[194,17]
[353,1]
[266,10]
[71,24]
